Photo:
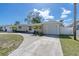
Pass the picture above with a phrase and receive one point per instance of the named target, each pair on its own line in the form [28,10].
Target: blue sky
[9,13]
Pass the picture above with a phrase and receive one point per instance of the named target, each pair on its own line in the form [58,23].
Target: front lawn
[9,42]
[70,46]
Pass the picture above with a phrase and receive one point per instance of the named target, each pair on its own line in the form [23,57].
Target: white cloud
[69,20]
[45,13]
[35,10]
[65,13]
[64,16]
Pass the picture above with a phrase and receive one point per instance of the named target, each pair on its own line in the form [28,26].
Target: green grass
[8,43]
[70,46]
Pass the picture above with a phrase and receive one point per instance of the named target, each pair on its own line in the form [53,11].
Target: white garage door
[51,28]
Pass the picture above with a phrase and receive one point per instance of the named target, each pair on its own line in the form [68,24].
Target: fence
[66,30]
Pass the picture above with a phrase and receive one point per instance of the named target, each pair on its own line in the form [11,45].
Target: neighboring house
[22,27]
[71,25]
[25,27]
[7,28]
[77,27]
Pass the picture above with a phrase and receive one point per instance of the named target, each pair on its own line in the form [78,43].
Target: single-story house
[7,28]
[26,28]
[51,27]
[22,27]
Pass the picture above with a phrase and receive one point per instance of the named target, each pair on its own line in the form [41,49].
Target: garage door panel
[50,29]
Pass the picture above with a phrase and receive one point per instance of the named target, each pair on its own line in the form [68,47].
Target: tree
[33,18]
[14,28]
[36,20]
[1,28]
[27,20]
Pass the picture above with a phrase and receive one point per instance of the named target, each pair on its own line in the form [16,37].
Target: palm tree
[14,27]
[17,23]
[27,20]
[61,21]
[61,25]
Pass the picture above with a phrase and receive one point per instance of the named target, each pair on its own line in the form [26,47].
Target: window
[20,27]
[30,28]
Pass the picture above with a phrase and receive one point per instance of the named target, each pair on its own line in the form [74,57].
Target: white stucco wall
[50,28]
[77,32]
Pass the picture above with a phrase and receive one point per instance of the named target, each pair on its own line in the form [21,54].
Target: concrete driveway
[38,46]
